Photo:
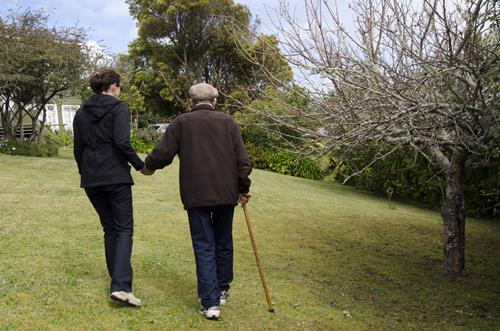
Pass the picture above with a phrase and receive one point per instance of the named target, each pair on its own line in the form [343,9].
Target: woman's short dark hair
[101,81]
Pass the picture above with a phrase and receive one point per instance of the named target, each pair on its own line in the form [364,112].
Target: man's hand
[243,198]
[145,171]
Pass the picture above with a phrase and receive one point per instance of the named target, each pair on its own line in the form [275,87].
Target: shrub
[284,162]
[402,175]
[59,138]
[148,135]
[288,163]
[281,162]
[17,147]
[482,186]
[258,156]
[306,167]
[144,140]
[405,176]
[139,145]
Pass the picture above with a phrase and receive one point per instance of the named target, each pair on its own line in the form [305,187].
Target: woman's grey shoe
[126,297]
[224,297]
[211,313]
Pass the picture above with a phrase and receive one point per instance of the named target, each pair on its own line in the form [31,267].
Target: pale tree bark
[21,126]
[10,117]
[453,209]
[453,213]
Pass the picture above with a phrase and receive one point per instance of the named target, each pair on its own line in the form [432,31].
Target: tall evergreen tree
[183,42]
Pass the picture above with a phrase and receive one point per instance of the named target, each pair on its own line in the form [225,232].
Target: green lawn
[325,249]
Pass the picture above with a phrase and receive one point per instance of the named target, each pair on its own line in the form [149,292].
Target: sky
[109,22]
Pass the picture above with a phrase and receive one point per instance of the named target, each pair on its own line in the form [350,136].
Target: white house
[60,117]
[60,114]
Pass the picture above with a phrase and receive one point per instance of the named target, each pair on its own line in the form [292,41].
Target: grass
[325,249]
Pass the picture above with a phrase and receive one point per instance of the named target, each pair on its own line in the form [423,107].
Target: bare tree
[420,74]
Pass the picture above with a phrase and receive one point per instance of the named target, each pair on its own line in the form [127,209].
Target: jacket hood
[99,105]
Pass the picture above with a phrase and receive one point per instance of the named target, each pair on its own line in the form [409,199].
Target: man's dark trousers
[113,203]
[212,237]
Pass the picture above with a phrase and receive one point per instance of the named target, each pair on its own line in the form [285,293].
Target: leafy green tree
[183,42]
[38,63]
[130,93]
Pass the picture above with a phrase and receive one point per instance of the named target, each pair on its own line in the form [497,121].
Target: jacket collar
[203,105]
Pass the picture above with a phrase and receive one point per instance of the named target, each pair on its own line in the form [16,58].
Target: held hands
[146,172]
[243,198]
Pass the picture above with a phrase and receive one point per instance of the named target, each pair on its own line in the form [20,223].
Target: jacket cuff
[244,185]
[139,165]
[149,164]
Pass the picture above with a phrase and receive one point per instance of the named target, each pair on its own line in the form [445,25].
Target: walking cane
[257,259]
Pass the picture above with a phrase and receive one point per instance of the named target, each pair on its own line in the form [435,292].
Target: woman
[102,151]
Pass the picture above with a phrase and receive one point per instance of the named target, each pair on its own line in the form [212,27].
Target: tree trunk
[42,124]
[21,127]
[9,130]
[4,120]
[453,214]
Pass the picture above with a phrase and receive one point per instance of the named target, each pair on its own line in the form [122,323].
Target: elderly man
[214,169]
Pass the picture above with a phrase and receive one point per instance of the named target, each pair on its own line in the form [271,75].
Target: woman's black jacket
[102,142]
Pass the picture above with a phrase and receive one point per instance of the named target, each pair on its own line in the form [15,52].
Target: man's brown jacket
[214,164]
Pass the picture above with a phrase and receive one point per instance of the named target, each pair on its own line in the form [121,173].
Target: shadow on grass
[401,281]
[120,305]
